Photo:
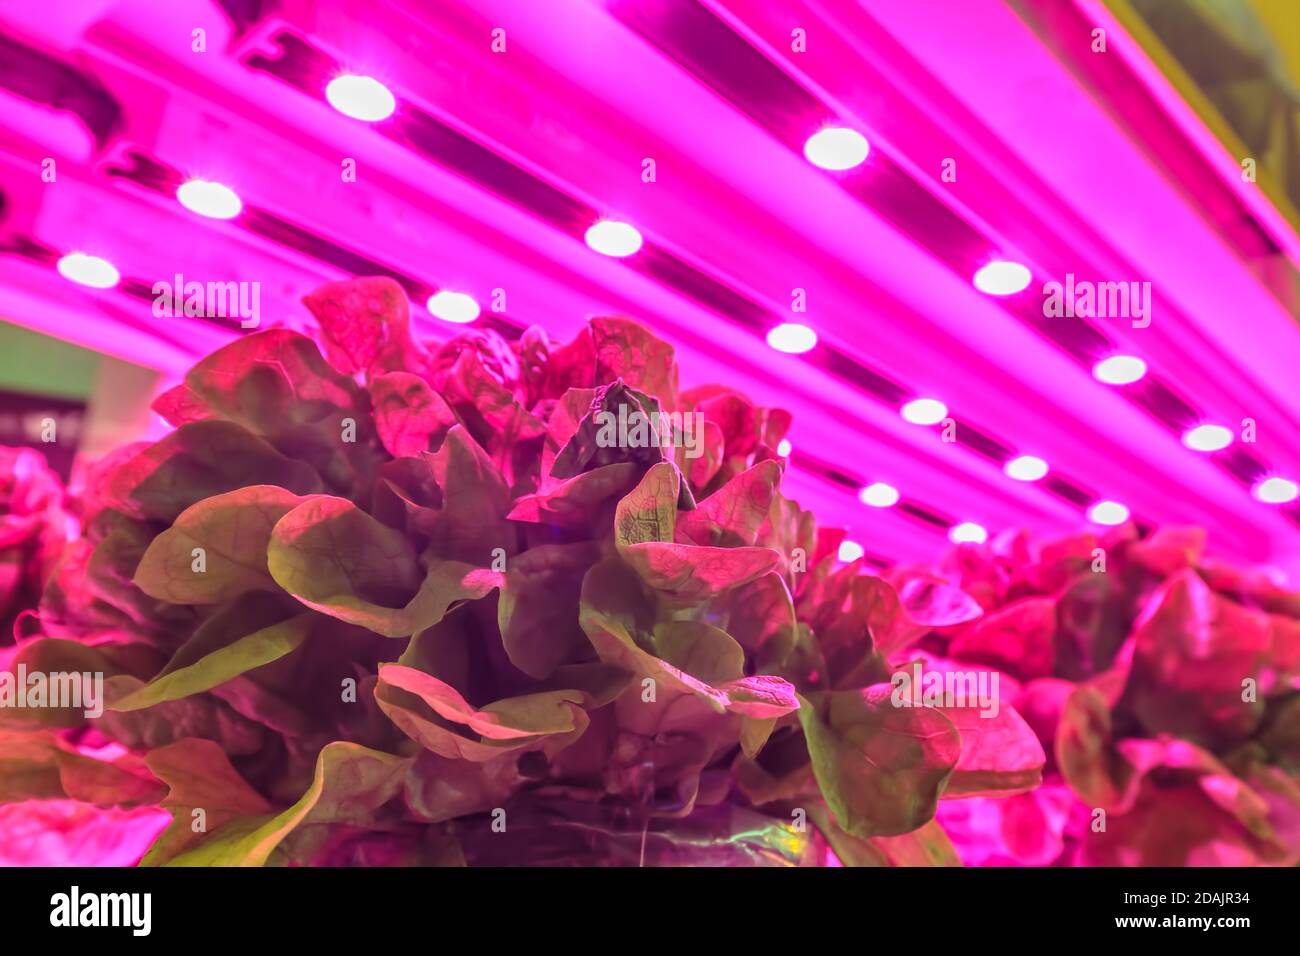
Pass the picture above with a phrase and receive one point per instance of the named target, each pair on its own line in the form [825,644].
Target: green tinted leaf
[336,559]
[1085,755]
[53,656]
[351,782]
[700,649]
[509,719]
[224,664]
[196,462]
[232,530]
[649,511]
[200,777]
[684,657]
[881,768]
[925,846]
[428,710]
[538,610]
[754,733]
[471,525]
[38,765]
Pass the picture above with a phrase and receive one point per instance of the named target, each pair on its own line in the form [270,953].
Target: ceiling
[1070,161]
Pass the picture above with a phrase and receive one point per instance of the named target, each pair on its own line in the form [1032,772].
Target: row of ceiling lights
[834,148]
[839,149]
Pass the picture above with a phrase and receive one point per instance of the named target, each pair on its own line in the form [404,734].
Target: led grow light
[612,238]
[88,270]
[210,199]
[836,148]
[361,97]
[792,337]
[454,307]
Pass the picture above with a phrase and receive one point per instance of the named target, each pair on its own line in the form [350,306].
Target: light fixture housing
[88,270]
[1002,278]
[610,237]
[792,338]
[1119,370]
[456,307]
[214,200]
[361,97]
[924,411]
[836,148]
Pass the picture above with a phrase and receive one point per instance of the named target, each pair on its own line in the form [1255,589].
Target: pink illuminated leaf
[365,325]
[580,502]
[761,697]
[409,416]
[692,574]
[69,833]
[644,526]
[732,515]
[628,350]
[1017,638]
[1000,754]
[1193,649]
